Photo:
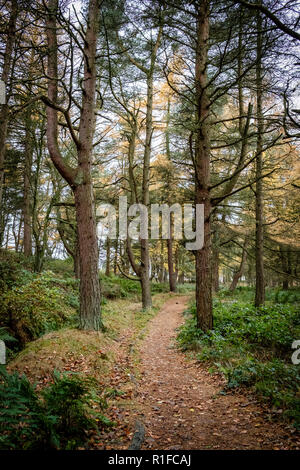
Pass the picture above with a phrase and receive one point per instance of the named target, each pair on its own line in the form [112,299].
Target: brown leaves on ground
[176,398]
[180,403]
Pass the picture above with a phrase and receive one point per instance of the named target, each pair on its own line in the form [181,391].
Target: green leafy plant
[39,306]
[57,418]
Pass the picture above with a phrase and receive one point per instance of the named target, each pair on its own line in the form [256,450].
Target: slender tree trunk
[240,270]
[202,171]
[216,265]
[27,192]
[6,71]
[144,267]
[285,268]
[176,263]
[116,257]
[172,274]
[7,237]
[259,233]
[215,258]
[131,153]
[71,248]
[13,229]
[161,262]
[107,267]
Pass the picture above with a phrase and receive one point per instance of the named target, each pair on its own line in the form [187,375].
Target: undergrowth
[59,417]
[252,348]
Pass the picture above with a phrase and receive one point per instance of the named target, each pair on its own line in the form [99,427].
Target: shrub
[189,335]
[284,296]
[274,381]
[62,267]
[159,287]
[14,270]
[114,287]
[37,307]
[185,288]
[58,418]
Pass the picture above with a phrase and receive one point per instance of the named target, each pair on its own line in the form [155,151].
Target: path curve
[179,403]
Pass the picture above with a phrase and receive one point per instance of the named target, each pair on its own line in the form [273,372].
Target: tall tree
[80,178]
[202,168]
[259,231]
[152,45]
[5,75]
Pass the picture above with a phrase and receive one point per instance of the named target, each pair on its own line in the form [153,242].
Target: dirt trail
[179,401]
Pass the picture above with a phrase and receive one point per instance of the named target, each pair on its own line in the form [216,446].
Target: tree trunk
[144,268]
[240,271]
[27,241]
[161,263]
[116,257]
[172,274]
[88,252]
[285,268]
[259,232]
[19,235]
[215,274]
[80,178]
[38,259]
[216,257]
[202,171]
[6,71]
[107,267]
[146,290]
[76,260]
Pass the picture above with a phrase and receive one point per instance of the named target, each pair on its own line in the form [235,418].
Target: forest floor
[182,406]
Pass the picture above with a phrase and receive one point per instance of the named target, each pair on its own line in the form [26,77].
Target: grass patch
[92,353]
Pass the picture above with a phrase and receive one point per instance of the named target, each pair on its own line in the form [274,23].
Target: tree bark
[107,267]
[88,253]
[76,259]
[216,264]
[172,274]
[285,267]
[240,270]
[259,232]
[6,71]
[144,267]
[202,171]
[116,257]
[27,240]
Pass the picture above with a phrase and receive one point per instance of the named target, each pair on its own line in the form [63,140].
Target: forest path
[179,401]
